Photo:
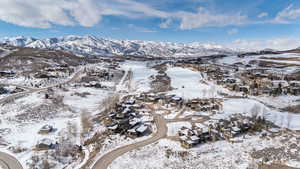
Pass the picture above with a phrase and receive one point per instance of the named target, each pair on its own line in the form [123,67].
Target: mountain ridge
[109,47]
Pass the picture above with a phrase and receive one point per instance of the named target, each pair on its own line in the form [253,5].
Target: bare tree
[109,103]
[72,129]
[86,123]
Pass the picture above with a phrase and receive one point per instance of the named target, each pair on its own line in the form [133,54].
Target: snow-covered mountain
[109,47]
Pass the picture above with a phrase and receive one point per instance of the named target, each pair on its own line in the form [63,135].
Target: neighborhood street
[108,158]
[9,162]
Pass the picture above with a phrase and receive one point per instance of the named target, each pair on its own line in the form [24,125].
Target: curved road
[9,162]
[108,158]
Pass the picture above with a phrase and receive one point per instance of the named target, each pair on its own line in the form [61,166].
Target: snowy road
[9,162]
[108,158]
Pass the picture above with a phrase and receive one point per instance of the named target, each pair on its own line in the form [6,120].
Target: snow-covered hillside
[108,47]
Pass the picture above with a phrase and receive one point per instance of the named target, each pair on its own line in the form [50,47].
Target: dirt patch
[282,58]
[274,166]
[292,109]
[264,63]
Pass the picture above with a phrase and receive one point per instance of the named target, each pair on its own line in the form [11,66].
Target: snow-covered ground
[218,155]
[89,103]
[246,106]
[187,84]
[22,119]
[21,122]
[245,60]
[141,74]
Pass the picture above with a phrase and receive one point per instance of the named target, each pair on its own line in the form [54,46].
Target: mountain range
[92,45]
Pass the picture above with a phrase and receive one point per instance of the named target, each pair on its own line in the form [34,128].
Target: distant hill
[108,47]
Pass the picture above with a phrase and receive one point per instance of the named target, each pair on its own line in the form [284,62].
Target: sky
[235,23]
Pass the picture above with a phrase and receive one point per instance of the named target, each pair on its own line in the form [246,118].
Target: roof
[185,131]
[142,128]
[194,138]
[126,110]
[183,138]
[114,127]
[205,129]
[132,130]
[236,129]
[130,101]
[134,121]
[46,127]
[190,142]
[46,141]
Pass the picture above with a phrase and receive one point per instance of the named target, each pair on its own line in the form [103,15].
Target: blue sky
[219,21]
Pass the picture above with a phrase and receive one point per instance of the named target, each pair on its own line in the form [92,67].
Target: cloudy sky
[239,23]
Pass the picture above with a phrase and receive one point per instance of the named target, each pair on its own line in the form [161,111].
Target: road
[16,85]
[9,162]
[33,90]
[108,158]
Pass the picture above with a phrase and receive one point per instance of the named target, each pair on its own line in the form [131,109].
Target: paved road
[108,158]
[9,162]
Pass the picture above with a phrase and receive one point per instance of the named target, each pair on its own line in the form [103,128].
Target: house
[294,91]
[7,74]
[46,129]
[143,130]
[46,144]
[3,90]
[139,130]
[130,101]
[113,127]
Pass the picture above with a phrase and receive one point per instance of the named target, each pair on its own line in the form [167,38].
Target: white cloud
[284,43]
[288,15]
[45,13]
[166,23]
[262,15]
[205,18]
[232,31]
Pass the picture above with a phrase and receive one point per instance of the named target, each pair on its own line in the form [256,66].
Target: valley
[62,109]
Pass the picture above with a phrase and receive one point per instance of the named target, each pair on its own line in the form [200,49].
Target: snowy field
[141,74]
[218,155]
[187,84]
[245,107]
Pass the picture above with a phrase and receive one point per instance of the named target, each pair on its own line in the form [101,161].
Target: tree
[85,123]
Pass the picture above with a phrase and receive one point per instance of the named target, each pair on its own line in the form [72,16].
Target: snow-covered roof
[46,127]
[236,129]
[134,121]
[46,141]
[194,138]
[114,127]
[183,138]
[130,101]
[142,128]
